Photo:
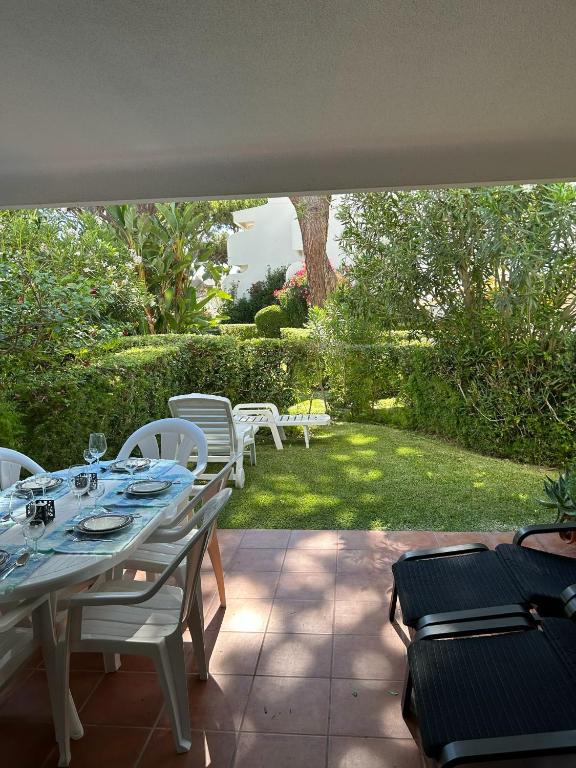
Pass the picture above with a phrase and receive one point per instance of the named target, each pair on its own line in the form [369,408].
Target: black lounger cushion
[457,583]
[501,685]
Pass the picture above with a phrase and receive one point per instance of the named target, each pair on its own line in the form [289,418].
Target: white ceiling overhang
[130,100]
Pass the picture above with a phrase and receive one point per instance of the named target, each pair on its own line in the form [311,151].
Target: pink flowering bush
[294,298]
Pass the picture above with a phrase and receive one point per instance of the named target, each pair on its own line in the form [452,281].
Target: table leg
[306,437]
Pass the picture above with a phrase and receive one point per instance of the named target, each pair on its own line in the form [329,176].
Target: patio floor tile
[306,586]
[25,747]
[363,539]
[295,655]
[211,749]
[367,708]
[28,701]
[308,616]
[310,561]
[260,750]
[367,657]
[365,562]
[231,653]
[104,745]
[403,540]
[353,752]
[124,698]
[216,704]
[356,587]
[359,618]
[250,615]
[313,540]
[288,705]
[257,559]
[274,537]
[243,584]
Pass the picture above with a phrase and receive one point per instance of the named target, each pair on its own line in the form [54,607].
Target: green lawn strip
[375,477]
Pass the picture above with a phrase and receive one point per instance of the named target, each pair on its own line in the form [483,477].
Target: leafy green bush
[295,333]
[239,330]
[521,408]
[260,294]
[270,320]
[293,297]
[130,385]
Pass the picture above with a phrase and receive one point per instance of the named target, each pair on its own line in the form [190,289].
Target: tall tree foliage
[472,262]
[178,255]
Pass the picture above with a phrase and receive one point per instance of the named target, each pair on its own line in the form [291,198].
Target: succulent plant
[561,494]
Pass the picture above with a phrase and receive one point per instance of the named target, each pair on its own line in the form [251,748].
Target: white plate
[32,484]
[120,466]
[148,487]
[104,523]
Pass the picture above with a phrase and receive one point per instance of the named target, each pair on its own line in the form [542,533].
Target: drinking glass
[88,457]
[35,529]
[78,482]
[22,508]
[97,446]
[95,492]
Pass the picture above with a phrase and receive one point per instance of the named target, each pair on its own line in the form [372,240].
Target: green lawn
[370,476]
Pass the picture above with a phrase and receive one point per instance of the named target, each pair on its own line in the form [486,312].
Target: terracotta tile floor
[306,670]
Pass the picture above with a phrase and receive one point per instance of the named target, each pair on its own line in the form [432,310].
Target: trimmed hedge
[295,333]
[130,385]
[523,408]
[239,330]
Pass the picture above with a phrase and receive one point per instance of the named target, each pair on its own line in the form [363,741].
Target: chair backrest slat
[213,414]
[179,440]
[11,462]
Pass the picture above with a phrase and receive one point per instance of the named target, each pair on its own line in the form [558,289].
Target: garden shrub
[521,408]
[294,297]
[260,294]
[270,320]
[239,330]
[295,333]
[127,386]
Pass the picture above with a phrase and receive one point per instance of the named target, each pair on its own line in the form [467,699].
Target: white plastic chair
[120,616]
[179,440]
[226,440]
[11,462]
[265,415]
[157,552]
[18,641]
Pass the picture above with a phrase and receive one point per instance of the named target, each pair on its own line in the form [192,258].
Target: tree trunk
[312,212]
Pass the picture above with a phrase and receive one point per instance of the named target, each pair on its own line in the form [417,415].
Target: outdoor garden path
[306,669]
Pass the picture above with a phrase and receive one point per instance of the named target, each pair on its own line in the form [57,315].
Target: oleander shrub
[270,320]
[260,294]
[239,330]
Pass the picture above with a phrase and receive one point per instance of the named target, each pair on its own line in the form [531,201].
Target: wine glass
[88,456]
[132,463]
[97,446]
[43,479]
[22,508]
[78,482]
[95,491]
[35,529]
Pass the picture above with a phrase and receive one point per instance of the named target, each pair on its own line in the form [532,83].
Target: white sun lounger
[267,415]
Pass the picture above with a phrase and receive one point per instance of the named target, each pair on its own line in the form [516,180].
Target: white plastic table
[63,571]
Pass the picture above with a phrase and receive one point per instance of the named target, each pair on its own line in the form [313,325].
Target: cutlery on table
[21,560]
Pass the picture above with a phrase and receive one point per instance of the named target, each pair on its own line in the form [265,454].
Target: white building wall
[270,237]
